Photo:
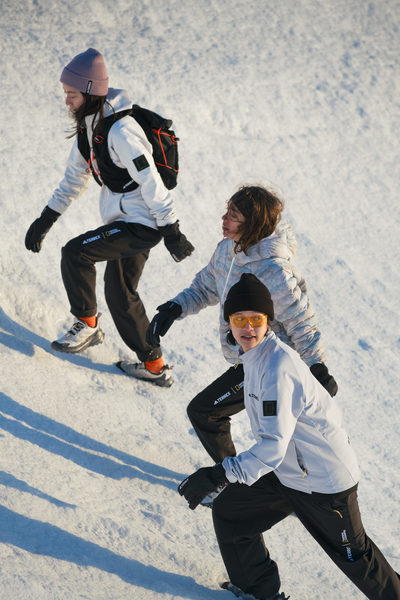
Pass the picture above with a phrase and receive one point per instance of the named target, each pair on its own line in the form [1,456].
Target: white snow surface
[298,95]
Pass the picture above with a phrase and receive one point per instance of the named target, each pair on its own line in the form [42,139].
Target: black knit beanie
[249,293]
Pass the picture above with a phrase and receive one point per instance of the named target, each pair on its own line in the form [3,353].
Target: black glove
[320,372]
[204,481]
[162,322]
[175,242]
[37,231]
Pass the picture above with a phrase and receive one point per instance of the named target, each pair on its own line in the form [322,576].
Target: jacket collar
[261,348]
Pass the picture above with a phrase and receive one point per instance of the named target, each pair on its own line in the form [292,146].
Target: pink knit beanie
[87,73]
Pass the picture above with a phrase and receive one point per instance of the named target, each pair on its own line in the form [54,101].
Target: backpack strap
[105,171]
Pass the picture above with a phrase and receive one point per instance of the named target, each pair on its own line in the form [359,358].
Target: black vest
[105,171]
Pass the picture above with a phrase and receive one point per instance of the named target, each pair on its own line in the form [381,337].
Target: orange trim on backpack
[174,140]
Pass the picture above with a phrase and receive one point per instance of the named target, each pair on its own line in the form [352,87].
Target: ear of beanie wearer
[249,293]
[87,73]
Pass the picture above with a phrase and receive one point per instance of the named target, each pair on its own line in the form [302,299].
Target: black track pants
[125,247]
[241,513]
[210,412]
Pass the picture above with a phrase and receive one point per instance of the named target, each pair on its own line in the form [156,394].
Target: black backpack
[163,140]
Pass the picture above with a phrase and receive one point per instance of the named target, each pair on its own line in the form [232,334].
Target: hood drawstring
[227,277]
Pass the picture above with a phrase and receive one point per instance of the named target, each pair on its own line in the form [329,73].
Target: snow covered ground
[301,95]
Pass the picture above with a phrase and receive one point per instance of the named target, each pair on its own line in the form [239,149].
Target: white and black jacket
[296,424]
[150,204]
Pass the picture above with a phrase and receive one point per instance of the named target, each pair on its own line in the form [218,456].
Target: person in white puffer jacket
[301,461]
[256,241]
[136,208]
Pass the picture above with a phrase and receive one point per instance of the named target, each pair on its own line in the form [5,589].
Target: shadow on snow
[19,338]
[42,538]
[10,481]
[28,425]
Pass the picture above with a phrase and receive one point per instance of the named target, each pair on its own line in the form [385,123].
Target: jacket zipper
[300,462]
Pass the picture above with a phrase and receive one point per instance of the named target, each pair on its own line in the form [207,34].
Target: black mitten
[320,372]
[37,231]
[176,243]
[162,321]
[204,481]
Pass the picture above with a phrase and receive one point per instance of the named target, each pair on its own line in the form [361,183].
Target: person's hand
[176,243]
[39,228]
[162,321]
[320,372]
[204,481]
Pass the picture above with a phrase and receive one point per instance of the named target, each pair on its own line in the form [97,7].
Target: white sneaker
[79,337]
[139,371]
[209,499]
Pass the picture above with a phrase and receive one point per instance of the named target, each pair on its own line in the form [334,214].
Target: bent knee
[191,408]
[198,406]
[71,249]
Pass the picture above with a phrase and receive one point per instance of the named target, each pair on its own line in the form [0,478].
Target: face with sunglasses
[248,328]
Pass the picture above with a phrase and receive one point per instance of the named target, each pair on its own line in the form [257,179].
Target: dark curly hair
[262,210]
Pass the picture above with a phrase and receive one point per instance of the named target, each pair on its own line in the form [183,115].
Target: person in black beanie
[301,462]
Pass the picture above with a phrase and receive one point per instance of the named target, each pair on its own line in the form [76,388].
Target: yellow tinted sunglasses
[255,321]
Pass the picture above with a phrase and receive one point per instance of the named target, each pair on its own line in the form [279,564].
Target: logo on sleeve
[141,163]
[269,408]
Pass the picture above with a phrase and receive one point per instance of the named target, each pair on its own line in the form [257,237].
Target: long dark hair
[262,210]
[92,105]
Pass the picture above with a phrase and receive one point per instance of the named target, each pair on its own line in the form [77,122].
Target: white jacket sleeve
[274,432]
[130,149]
[76,180]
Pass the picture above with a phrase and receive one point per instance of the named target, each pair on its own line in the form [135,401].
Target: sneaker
[79,337]
[139,371]
[209,499]
[227,585]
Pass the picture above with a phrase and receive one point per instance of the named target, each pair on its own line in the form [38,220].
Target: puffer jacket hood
[280,244]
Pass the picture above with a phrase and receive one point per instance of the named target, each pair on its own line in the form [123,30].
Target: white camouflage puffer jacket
[271,261]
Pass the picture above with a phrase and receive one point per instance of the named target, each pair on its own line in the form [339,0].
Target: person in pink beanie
[137,211]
